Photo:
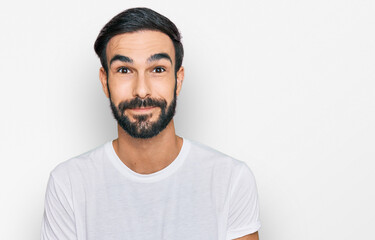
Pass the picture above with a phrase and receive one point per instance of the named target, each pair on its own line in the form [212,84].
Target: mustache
[140,102]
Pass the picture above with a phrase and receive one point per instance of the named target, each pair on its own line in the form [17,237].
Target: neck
[149,155]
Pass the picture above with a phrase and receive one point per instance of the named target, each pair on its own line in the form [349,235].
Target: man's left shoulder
[209,156]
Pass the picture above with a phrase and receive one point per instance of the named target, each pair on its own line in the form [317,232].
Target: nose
[141,87]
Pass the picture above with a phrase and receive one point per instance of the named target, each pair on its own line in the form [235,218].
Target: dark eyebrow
[158,56]
[121,58]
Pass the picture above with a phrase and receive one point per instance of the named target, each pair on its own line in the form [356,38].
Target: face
[141,82]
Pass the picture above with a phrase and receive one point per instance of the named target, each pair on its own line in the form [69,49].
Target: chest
[166,210]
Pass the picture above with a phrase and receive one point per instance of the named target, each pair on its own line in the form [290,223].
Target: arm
[253,236]
[243,216]
[58,219]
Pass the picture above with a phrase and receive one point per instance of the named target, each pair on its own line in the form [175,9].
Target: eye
[159,70]
[123,70]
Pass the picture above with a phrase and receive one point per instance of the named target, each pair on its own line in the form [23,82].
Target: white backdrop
[287,86]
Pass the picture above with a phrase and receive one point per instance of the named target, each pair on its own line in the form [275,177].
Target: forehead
[140,45]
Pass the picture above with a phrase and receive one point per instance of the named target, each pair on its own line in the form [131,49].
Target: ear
[103,80]
[180,78]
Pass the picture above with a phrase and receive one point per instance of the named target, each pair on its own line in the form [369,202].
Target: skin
[144,78]
[253,236]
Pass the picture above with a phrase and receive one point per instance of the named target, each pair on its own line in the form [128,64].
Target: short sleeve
[243,217]
[58,219]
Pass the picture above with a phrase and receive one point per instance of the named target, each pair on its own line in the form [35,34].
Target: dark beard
[142,127]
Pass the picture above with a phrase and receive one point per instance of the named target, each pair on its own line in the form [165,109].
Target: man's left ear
[180,78]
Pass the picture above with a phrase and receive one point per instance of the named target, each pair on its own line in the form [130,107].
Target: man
[148,183]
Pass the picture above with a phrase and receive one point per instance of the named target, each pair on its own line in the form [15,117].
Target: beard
[143,127]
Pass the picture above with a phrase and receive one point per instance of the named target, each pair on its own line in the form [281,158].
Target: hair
[137,19]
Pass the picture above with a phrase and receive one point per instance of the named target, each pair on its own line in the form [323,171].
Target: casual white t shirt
[202,195]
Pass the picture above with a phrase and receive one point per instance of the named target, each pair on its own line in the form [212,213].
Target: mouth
[142,109]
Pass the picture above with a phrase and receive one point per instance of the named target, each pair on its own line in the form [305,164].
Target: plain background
[286,86]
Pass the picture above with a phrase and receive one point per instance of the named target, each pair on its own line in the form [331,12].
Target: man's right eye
[123,70]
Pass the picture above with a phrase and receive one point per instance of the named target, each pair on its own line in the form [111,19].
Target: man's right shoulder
[79,163]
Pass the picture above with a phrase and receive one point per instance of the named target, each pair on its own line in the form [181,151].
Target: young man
[148,183]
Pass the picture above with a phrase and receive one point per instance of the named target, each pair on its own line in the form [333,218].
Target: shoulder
[79,164]
[210,156]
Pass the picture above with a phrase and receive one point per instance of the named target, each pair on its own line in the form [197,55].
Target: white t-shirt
[202,195]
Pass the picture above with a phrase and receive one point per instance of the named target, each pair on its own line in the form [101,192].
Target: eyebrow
[121,58]
[152,58]
[159,56]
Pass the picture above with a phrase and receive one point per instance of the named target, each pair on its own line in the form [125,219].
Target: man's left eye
[158,70]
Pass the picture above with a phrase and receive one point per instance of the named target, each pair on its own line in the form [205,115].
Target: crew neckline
[152,177]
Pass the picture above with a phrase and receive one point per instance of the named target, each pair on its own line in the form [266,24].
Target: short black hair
[137,19]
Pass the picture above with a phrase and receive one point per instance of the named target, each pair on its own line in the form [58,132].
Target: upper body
[201,194]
